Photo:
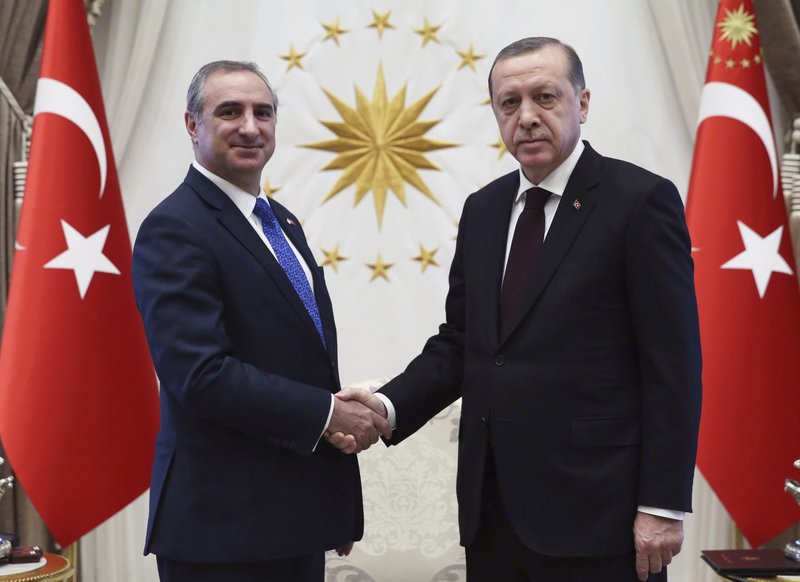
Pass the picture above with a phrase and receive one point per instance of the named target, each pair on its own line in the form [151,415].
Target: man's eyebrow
[234,103]
[238,104]
[225,104]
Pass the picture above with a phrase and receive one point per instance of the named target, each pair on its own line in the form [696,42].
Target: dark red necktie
[525,248]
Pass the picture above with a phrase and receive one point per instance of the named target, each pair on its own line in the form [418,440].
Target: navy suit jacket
[246,389]
[592,401]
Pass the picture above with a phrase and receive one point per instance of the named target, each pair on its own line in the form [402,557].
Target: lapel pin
[290,221]
[576,205]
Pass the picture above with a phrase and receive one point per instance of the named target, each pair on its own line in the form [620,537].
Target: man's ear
[584,104]
[191,126]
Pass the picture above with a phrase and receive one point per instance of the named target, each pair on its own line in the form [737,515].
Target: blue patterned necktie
[288,261]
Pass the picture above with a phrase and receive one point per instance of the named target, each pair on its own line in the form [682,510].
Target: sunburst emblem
[380,145]
[738,26]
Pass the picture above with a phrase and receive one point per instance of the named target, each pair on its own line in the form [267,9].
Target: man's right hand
[358,419]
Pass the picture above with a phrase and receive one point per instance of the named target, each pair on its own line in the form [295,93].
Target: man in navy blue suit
[571,336]
[241,330]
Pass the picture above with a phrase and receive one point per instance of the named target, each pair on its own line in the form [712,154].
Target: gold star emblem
[332,258]
[757,59]
[428,32]
[380,145]
[426,257]
[379,269]
[738,26]
[745,63]
[501,147]
[333,31]
[294,58]
[730,64]
[270,190]
[380,22]
[468,58]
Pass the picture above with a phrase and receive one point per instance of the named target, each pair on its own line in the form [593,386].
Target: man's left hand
[345,549]
[657,540]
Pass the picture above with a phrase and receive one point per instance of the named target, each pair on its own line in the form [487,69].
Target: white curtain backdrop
[644,63]
[129,35]
[684,29]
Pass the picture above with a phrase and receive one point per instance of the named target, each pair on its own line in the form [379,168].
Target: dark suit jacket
[245,389]
[593,400]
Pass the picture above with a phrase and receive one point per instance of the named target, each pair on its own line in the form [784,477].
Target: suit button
[499,360]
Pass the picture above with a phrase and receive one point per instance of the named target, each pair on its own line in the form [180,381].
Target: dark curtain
[780,39]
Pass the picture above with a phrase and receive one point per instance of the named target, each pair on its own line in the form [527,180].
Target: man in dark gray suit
[572,337]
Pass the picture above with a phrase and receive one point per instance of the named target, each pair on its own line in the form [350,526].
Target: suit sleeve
[179,295]
[433,379]
[660,283]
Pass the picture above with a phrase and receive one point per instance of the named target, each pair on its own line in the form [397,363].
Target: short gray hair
[536,43]
[195,97]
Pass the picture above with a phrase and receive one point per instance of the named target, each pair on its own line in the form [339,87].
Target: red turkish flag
[747,291]
[78,394]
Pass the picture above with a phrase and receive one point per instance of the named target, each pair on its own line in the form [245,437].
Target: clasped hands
[358,420]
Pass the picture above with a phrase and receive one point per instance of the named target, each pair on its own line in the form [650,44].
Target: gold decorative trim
[59,574]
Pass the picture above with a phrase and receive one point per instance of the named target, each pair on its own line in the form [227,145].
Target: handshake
[358,420]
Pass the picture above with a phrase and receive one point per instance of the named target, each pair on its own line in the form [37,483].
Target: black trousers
[309,568]
[498,554]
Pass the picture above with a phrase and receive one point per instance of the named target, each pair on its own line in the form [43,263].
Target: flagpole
[20,168]
[737,538]
[790,175]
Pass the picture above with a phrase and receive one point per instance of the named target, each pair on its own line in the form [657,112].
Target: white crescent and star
[761,254]
[84,254]
[60,99]
[726,100]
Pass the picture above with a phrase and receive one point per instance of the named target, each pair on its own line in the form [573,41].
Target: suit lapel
[234,222]
[495,216]
[573,211]
[293,231]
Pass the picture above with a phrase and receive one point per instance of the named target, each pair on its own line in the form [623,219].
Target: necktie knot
[536,198]
[264,212]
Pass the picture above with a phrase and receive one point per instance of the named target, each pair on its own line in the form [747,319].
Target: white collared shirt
[555,183]
[246,203]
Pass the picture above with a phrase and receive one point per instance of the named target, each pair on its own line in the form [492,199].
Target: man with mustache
[571,335]
[241,331]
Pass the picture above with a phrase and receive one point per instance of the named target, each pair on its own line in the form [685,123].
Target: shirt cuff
[668,513]
[391,415]
[327,423]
